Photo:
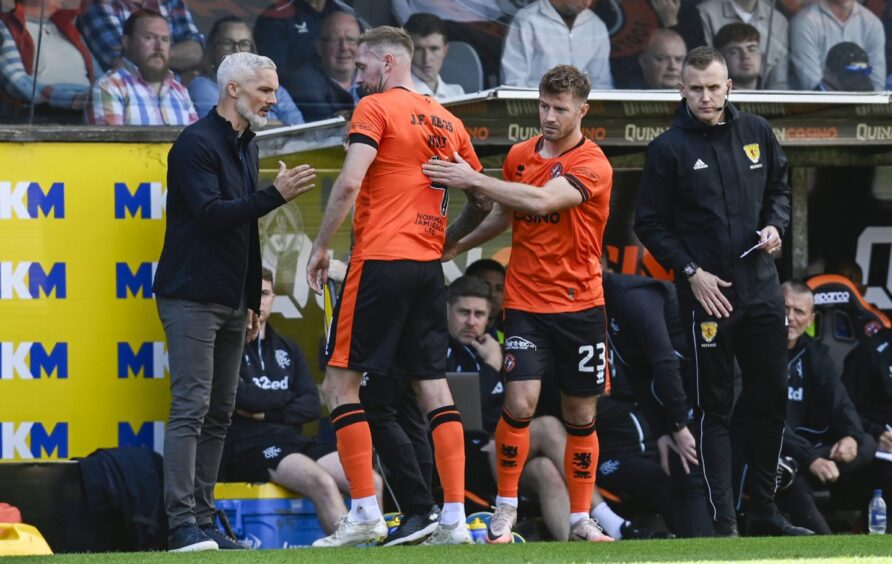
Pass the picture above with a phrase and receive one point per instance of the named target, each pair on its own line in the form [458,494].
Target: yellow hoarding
[82,353]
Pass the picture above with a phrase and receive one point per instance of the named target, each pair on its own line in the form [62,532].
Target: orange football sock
[580,464]
[355,448]
[513,444]
[449,451]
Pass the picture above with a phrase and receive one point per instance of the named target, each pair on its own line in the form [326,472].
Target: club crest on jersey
[510,362]
[709,329]
[557,169]
[752,151]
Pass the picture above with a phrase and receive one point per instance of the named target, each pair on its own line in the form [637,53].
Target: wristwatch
[690,269]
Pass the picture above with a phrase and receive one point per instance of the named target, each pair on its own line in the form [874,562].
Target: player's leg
[580,465]
[421,354]
[542,478]
[365,330]
[399,434]
[581,374]
[527,350]
[300,474]
[331,463]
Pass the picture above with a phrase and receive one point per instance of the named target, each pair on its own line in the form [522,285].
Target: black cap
[849,62]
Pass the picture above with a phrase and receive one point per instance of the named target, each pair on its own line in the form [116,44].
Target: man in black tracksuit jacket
[823,433]
[713,186]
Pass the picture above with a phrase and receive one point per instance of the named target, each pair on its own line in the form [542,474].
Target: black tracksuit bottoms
[755,335]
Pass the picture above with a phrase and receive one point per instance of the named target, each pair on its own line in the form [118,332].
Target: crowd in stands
[147,62]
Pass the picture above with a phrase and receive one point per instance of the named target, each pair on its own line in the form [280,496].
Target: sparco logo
[518,344]
[553,217]
[824,298]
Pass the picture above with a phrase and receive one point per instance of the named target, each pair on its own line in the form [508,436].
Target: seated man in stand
[276,397]
[104,23]
[428,33]
[739,43]
[846,69]
[141,89]
[324,88]
[661,61]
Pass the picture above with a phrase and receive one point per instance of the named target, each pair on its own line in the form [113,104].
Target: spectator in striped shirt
[141,89]
[63,72]
[103,21]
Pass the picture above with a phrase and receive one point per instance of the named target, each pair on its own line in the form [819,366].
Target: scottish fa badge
[752,151]
[709,329]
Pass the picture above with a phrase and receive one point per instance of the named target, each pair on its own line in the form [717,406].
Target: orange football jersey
[555,258]
[399,213]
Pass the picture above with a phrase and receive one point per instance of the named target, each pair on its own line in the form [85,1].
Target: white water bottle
[876,514]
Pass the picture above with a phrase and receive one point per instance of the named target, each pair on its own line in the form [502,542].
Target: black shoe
[414,528]
[223,541]
[726,529]
[773,525]
[630,531]
[189,538]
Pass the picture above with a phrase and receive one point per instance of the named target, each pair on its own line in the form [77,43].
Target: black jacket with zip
[705,191]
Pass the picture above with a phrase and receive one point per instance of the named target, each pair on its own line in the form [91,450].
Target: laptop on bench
[465,388]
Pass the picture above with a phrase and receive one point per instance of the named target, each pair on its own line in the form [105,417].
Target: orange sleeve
[369,119]
[589,175]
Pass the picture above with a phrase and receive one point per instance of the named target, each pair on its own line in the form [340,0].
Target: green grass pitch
[839,548]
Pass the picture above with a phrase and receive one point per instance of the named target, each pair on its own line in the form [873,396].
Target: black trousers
[400,437]
[755,336]
[639,481]
[852,490]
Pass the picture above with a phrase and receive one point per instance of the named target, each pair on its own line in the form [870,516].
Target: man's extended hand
[292,182]
[825,470]
[317,269]
[458,175]
[681,442]
[489,350]
[687,447]
[770,239]
[844,450]
[706,289]
[253,326]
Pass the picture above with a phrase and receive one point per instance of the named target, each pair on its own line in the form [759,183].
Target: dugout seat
[462,66]
[842,316]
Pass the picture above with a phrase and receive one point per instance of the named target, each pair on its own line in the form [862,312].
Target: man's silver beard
[256,120]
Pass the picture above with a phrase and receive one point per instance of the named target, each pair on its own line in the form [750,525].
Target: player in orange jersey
[391,316]
[556,195]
